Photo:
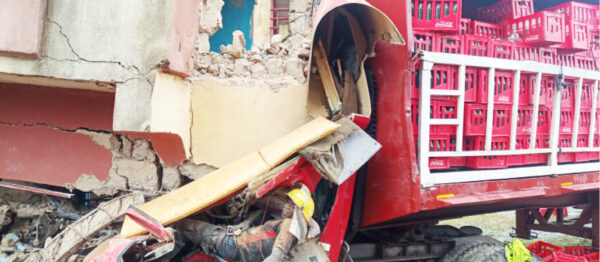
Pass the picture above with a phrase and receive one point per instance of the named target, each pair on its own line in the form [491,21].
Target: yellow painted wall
[261,22]
[229,121]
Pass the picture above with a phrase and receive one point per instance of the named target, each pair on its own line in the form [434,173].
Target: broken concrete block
[276,39]
[193,171]
[300,23]
[237,47]
[112,185]
[242,67]
[209,16]
[126,146]
[274,66]
[6,215]
[300,6]
[140,175]
[202,43]
[259,70]
[295,68]
[171,179]
[143,151]
[106,140]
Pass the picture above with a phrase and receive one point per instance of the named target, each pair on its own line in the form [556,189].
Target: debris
[6,216]
[333,98]
[9,240]
[171,179]
[340,154]
[350,96]
[236,48]
[142,151]
[63,245]
[140,175]
[230,178]
[193,171]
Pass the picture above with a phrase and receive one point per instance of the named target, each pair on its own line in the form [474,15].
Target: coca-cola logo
[503,99]
[444,24]
[532,38]
[436,163]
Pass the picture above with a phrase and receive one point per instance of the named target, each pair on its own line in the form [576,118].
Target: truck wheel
[462,251]
[493,253]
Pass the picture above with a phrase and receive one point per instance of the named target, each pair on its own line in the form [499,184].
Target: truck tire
[491,253]
[462,251]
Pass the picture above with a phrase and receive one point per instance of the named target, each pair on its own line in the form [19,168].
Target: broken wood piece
[333,98]
[364,96]
[350,96]
[360,41]
[339,67]
[211,188]
[66,243]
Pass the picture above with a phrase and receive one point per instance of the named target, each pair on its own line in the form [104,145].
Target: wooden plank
[282,148]
[232,177]
[333,99]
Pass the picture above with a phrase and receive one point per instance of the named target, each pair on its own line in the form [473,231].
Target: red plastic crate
[524,52]
[494,31]
[475,120]
[525,120]
[477,143]
[502,49]
[594,156]
[566,60]
[548,56]
[465,26]
[526,88]
[544,250]
[505,10]
[585,120]
[476,45]
[587,93]
[414,116]
[577,37]
[472,82]
[440,143]
[577,254]
[564,141]
[566,120]
[523,142]
[568,93]
[546,90]
[577,11]
[449,43]
[503,87]
[540,29]
[582,141]
[438,15]
[424,40]
[586,62]
[442,77]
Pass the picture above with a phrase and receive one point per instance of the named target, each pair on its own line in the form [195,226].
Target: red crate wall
[585,120]
[577,254]
[524,52]
[465,26]
[502,49]
[585,62]
[564,141]
[577,11]
[505,9]
[523,142]
[540,29]
[449,43]
[438,15]
[577,37]
[477,143]
[476,45]
[424,40]
[566,60]
[476,120]
[587,93]
[472,82]
[503,87]
[494,31]
[546,90]
[566,120]
[548,56]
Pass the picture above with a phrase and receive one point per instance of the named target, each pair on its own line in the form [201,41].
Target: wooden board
[232,177]
[333,99]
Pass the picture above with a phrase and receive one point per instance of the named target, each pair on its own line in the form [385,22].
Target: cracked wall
[118,42]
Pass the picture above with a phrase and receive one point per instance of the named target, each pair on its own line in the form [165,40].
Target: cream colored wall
[171,107]
[261,21]
[229,121]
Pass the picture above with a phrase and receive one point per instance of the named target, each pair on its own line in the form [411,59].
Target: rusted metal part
[533,219]
[37,190]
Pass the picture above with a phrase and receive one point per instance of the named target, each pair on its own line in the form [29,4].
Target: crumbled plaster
[194,171]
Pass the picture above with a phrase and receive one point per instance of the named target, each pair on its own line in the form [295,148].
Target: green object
[516,252]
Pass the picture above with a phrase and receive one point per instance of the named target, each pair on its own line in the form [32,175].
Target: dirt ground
[500,225]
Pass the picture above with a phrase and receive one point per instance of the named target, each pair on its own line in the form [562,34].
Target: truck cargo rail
[537,70]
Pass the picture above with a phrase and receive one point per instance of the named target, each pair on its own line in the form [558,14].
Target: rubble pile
[135,167]
[281,61]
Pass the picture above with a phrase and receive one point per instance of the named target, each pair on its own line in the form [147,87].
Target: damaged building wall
[237,15]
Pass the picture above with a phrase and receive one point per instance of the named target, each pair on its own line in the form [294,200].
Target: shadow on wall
[237,15]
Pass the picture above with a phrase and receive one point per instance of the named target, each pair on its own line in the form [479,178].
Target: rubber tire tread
[492,254]
[460,252]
